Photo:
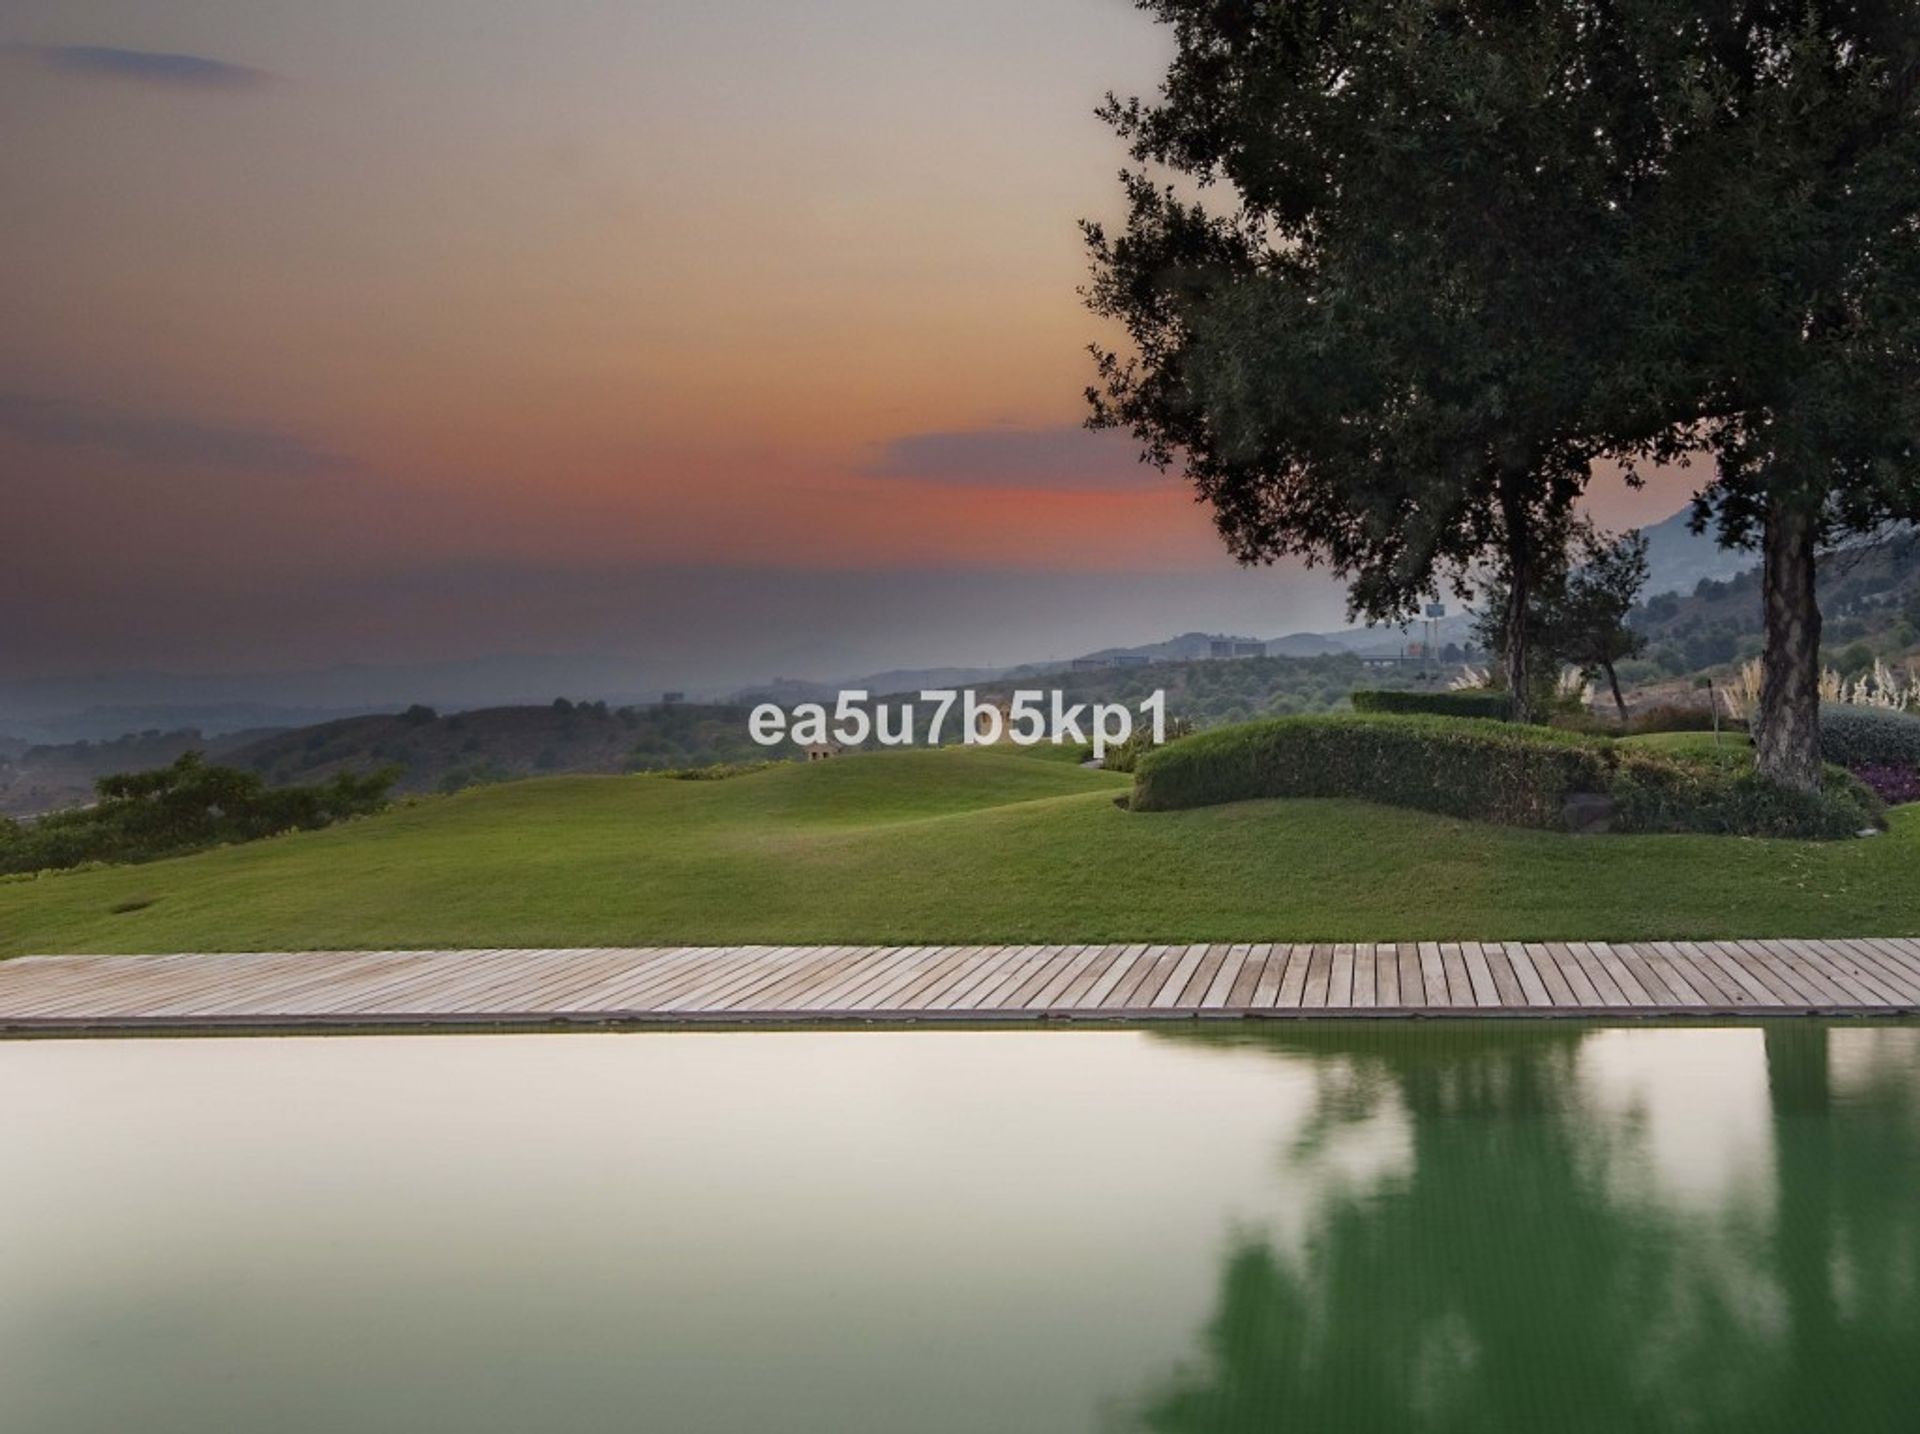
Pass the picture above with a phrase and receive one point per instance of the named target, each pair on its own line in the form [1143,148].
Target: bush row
[1494,706]
[1487,771]
[1868,736]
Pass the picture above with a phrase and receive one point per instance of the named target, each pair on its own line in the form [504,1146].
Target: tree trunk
[1787,741]
[1613,681]
[1517,655]
[1517,659]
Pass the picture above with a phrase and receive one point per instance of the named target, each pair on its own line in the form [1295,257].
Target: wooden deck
[749,984]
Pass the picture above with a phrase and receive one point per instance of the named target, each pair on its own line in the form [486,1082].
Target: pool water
[1330,1227]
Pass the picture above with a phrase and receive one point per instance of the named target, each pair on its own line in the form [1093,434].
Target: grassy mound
[1491,771]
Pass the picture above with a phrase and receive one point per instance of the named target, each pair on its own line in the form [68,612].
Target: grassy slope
[970,846]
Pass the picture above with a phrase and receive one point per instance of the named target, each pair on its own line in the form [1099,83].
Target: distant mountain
[1678,558]
[1305,644]
[103,705]
[1187,647]
[211,719]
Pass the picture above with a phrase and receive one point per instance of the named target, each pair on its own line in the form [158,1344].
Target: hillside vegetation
[1869,596]
[960,845]
[436,753]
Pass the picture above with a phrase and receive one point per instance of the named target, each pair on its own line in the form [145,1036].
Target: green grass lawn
[949,846]
[1726,749]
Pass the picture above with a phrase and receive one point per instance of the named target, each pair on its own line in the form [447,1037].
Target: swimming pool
[1326,1227]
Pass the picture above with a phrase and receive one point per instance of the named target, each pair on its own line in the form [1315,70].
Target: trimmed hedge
[1487,771]
[1493,706]
[1868,736]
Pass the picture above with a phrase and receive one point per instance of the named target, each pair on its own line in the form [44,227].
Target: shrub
[1494,706]
[1655,794]
[1126,756]
[1487,771]
[144,815]
[716,771]
[1868,736]
[1484,770]
[1893,785]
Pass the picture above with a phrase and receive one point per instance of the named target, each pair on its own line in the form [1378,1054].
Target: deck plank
[1365,994]
[1898,968]
[1413,991]
[1511,997]
[1319,977]
[1247,981]
[1187,960]
[1386,976]
[1479,974]
[960,993]
[1118,983]
[1194,993]
[1533,988]
[268,989]
[1340,977]
[1293,983]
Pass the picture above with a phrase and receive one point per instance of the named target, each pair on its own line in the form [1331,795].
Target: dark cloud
[149,67]
[159,440]
[1060,458]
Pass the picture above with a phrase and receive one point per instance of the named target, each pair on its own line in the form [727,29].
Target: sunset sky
[724,336]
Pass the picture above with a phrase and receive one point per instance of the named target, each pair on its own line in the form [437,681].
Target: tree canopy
[1785,283]
[1395,342]
[1407,267]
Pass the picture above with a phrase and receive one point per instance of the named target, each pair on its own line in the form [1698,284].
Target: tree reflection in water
[1520,1271]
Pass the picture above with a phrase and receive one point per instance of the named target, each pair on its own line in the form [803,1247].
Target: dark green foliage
[1493,706]
[1667,717]
[1210,692]
[1395,342]
[1127,755]
[674,738]
[1868,736]
[419,715]
[1486,771]
[1780,288]
[716,771]
[1673,717]
[1854,659]
[1587,621]
[183,807]
[1654,794]
[458,779]
[1578,615]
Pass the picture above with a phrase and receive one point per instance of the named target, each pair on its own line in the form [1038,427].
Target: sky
[725,340]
